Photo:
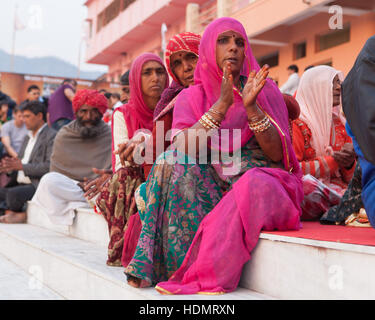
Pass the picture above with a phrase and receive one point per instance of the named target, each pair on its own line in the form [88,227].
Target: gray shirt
[15,134]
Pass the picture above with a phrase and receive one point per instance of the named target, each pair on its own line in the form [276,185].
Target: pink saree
[262,199]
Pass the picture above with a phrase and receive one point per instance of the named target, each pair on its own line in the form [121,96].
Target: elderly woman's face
[336,91]
[230,46]
[153,79]
[183,64]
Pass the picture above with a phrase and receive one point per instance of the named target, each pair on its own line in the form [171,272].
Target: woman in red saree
[148,79]
[266,193]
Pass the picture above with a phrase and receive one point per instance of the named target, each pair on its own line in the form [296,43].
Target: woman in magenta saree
[262,198]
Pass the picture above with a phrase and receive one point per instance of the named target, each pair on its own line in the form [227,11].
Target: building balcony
[132,23]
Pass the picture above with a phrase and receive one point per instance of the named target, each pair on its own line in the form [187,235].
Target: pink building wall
[138,29]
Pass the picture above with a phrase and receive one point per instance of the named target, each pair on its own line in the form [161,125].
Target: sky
[53,28]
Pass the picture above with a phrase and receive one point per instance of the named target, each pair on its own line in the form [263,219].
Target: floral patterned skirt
[116,202]
[172,203]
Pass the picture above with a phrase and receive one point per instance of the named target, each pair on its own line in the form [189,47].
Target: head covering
[315,98]
[292,106]
[91,98]
[186,41]
[358,95]
[136,113]
[194,101]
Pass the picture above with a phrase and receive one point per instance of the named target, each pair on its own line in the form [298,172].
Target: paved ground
[16,284]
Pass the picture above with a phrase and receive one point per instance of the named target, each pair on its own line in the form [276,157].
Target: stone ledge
[76,269]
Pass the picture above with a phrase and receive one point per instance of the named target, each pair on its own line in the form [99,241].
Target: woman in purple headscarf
[231,95]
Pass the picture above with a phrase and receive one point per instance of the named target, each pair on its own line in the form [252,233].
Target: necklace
[242,85]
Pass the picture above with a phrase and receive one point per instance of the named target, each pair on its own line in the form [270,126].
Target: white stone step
[77,269]
[17,284]
[296,268]
[279,264]
[87,224]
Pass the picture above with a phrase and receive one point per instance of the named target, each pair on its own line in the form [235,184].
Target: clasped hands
[252,88]
[345,158]
[9,164]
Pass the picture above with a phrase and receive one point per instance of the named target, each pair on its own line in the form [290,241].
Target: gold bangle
[259,122]
[217,112]
[206,123]
[209,122]
[217,123]
[262,127]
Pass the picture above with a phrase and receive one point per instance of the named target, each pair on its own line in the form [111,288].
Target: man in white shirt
[32,163]
[290,87]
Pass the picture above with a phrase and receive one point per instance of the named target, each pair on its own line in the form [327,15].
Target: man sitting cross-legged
[32,163]
[79,148]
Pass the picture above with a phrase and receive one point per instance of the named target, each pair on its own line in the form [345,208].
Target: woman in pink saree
[232,92]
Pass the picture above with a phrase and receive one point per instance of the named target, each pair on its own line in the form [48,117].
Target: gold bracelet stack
[209,121]
[222,115]
[260,126]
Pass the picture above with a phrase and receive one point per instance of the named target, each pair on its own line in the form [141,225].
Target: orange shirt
[324,167]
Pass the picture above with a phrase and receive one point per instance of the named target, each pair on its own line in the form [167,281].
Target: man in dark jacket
[358,100]
[32,163]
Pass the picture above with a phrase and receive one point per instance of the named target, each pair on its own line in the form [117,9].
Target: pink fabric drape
[315,98]
[263,198]
[136,113]
[194,101]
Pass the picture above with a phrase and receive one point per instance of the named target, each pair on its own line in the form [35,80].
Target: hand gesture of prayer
[127,150]
[254,85]
[93,187]
[227,96]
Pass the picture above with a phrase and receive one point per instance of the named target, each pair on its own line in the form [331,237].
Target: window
[271,59]
[300,50]
[126,3]
[333,38]
[108,14]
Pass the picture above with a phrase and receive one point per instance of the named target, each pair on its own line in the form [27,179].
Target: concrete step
[76,269]
[279,264]
[17,284]
[297,268]
[87,225]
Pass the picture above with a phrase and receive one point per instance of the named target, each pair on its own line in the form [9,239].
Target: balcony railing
[237,5]
[111,12]
[207,13]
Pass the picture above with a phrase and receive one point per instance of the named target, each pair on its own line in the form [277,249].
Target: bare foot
[134,282]
[13,217]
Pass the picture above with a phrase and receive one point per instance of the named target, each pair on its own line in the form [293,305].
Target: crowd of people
[188,173]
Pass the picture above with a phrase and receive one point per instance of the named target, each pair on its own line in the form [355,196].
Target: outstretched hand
[254,85]
[93,187]
[127,150]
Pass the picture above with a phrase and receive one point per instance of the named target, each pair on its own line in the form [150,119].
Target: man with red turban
[80,146]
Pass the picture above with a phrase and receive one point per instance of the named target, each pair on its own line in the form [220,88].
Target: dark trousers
[15,197]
